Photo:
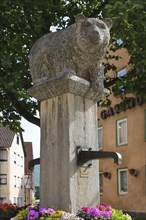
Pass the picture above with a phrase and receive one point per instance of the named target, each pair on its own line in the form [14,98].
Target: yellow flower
[57,215]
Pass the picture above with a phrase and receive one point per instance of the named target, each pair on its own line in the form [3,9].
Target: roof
[6,136]
[29,155]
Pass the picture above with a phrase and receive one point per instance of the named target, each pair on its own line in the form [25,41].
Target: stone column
[68,120]
[66,69]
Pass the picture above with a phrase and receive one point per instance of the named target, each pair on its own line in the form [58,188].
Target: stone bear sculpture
[78,50]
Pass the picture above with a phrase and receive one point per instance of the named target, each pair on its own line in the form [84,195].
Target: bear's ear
[108,22]
[79,18]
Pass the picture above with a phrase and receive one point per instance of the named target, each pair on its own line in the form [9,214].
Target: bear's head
[92,33]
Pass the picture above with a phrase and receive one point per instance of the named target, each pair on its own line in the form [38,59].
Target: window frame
[15,158]
[17,139]
[121,192]
[120,74]
[15,181]
[21,161]
[117,132]
[100,129]
[18,182]
[3,178]
[124,70]
[15,199]
[4,150]
[22,182]
[18,159]
[3,199]
[100,186]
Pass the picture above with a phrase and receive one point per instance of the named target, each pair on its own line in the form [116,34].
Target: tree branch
[23,112]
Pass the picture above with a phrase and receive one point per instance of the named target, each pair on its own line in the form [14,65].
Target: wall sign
[129,103]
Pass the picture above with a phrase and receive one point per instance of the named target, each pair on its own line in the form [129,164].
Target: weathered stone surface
[78,50]
[69,83]
[67,121]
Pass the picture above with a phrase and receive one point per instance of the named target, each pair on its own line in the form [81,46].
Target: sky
[32,134]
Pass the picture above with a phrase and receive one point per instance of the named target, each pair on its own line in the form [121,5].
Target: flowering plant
[8,210]
[101,212]
[38,213]
[95,213]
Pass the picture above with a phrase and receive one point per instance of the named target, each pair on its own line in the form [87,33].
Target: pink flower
[102,207]
[108,208]
[50,211]
[85,209]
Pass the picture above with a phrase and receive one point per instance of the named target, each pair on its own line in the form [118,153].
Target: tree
[23,22]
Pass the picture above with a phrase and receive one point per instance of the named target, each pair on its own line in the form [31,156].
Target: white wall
[16,168]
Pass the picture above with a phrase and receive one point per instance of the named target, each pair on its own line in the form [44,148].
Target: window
[19,201]
[15,158]
[121,72]
[18,159]
[100,183]
[123,181]
[2,199]
[21,162]
[3,155]
[17,139]
[100,138]
[21,182]
[122,132]
[15,181]
[18,181]
[15,200]
[3,179]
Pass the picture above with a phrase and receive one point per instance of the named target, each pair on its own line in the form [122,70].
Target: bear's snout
[94,36]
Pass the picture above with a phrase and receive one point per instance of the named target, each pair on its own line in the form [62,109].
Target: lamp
[107,175]
[133,172]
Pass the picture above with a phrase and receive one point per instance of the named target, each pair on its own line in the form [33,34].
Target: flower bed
[101,212]
[8,210]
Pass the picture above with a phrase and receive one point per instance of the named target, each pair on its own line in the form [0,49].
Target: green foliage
[23,22]
[37,192]
[118,215]
[129,24]
[22,214]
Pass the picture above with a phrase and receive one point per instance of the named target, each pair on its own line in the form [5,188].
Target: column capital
[68,83]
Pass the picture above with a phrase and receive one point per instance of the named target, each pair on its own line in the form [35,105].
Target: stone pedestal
[68,120]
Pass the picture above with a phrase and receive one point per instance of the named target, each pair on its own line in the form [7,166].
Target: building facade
[12,158]
[124,186]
